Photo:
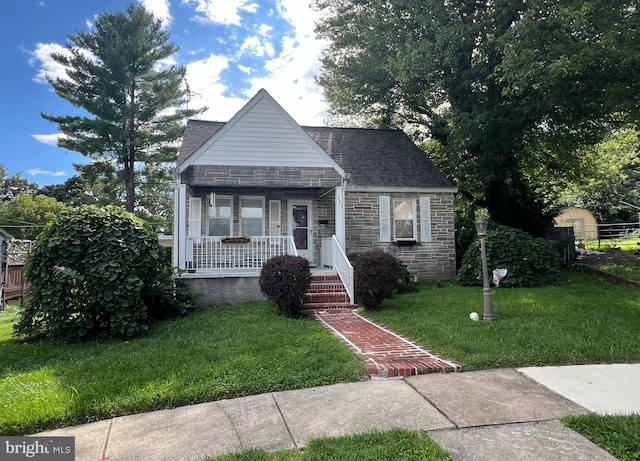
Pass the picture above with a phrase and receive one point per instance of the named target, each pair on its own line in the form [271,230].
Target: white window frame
[210,205]
[251,197]
[414,218]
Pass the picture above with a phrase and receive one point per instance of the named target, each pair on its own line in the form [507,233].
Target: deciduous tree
[502,86]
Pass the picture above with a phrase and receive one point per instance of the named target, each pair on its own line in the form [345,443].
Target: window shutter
[274,218]
[195,217]
[384,204]
[425,219]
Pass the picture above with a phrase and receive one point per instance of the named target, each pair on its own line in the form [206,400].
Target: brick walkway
[386,353]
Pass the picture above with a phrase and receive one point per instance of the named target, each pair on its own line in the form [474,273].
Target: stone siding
[260,176]
[435,260]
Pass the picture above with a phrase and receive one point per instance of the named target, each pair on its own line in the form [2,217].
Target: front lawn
[216,354]
[581,319]
[234,351]
[618,434]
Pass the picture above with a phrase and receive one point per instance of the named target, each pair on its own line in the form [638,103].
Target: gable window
[220,215]
[405,225]
[251,216]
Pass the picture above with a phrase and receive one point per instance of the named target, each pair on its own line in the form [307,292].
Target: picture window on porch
[251,216]
[405,225]
[220,215]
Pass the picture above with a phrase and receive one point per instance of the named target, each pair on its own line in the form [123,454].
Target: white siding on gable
[263,136]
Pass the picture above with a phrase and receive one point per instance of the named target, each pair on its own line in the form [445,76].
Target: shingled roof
[372,157]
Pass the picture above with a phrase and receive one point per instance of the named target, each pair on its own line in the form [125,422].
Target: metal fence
[607,232]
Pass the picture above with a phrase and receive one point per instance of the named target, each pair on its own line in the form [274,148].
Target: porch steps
[326,292]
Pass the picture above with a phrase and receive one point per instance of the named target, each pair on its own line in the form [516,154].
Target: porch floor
[386,353]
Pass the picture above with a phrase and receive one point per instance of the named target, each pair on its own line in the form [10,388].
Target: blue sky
[231,49]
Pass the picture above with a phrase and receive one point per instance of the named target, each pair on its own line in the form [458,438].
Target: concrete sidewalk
[488,415]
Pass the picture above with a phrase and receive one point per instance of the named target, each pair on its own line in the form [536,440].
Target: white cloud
[160,9]
[222,11]
[49,139]
[291,74]
[40,172]
[42,60]
[256,47]
[207,89]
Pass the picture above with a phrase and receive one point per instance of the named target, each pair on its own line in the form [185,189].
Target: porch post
[340,217]
[179,226]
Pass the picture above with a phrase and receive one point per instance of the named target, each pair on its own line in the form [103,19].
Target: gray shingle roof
[195,135]
[372,157]
[377,157]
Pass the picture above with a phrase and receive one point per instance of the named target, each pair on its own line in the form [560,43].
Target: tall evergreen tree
[135,104]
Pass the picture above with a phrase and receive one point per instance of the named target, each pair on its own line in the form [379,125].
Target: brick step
[326,287]
[325,278]
[326,297]
[314,307]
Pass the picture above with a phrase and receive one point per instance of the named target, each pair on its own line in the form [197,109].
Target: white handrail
[343,266]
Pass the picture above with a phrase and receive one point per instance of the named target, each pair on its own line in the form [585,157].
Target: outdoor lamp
[481,228]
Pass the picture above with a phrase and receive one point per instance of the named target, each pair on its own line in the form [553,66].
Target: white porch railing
[212,255]
[334,256]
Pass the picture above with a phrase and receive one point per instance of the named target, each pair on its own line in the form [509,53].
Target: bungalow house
[261,185]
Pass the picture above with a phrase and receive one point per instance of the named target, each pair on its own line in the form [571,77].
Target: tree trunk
[130,186]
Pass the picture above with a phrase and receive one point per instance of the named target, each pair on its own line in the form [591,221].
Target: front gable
[261,134]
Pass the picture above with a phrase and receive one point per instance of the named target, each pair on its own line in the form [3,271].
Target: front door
[300,227]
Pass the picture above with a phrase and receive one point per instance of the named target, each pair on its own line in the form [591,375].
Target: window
[220,215]
[404,220]
[400,221]
[251,216]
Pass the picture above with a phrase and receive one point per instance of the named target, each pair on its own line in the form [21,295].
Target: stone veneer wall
[435,260]
[260,176]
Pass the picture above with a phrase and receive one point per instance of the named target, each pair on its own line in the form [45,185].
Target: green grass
[629,271]
[624,244]
[394,445]
[216,354]
[249,349]
[581,319]
[619,435]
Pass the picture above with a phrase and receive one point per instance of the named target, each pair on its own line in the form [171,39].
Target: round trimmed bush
[377,275]
[284,280]
[529,260]
[98,272]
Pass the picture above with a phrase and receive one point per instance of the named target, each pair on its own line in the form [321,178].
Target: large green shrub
[284,280]
[529,260]
[377,275]
[98,272]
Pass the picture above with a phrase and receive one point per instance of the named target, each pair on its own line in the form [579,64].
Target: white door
[301,228]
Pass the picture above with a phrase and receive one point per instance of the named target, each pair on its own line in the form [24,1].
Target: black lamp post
[481,227]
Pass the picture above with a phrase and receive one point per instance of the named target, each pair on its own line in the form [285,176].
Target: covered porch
[256,225]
